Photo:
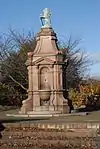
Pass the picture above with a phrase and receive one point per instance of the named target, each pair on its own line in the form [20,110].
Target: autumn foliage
[88,94]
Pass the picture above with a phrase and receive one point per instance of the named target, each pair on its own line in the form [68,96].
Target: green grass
[93,116]
[8,119]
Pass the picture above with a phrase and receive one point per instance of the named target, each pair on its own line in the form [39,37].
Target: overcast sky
[77,18]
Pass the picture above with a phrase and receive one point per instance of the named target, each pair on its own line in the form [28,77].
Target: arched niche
[44,78]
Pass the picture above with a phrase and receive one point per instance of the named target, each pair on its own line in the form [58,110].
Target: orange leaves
[88,89]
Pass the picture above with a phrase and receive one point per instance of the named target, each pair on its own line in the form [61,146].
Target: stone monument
[44,64]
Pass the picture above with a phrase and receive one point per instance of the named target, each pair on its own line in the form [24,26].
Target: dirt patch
[46,139]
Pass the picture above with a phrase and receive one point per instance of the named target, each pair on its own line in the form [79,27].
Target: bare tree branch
[17,82]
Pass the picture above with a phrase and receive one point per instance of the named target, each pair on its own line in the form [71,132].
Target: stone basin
[44,95]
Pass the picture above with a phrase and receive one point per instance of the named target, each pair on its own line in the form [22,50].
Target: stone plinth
[45,92]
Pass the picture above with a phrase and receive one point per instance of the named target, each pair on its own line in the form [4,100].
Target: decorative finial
[45,18]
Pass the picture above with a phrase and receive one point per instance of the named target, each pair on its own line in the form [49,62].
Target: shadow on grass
[89,109]
[10,120]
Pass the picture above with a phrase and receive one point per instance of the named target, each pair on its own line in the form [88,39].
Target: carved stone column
[36,99]
[30,81]
[52,97]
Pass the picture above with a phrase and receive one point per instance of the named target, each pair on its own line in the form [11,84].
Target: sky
[79,19]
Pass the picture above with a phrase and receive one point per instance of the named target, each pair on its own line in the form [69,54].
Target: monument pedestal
[45,75]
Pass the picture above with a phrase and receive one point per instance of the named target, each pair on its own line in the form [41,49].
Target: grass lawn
[91,117]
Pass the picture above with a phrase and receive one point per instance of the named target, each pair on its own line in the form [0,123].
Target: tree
[13,55]
[78,63]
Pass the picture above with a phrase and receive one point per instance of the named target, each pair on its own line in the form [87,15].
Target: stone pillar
[55,87]
[59,89]
[52,97]
[30,81]
[36,98]
[60,75]
[27,105]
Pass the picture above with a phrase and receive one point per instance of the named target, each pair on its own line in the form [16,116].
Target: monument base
[43,112]
[51,109]
[36,116]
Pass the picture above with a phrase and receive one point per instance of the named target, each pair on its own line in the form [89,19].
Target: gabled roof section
[43,60]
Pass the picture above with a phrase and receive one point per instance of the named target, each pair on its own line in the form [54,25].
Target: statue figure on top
[45,18]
